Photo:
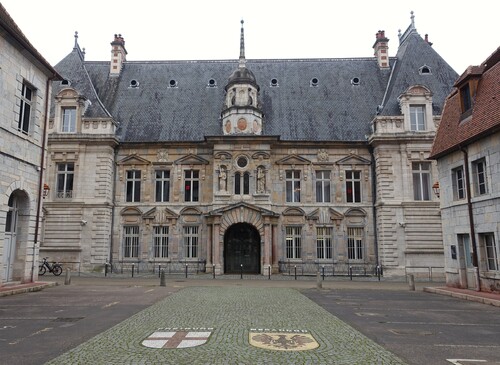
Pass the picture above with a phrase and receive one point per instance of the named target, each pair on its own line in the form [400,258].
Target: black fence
[152,267]
[304,268]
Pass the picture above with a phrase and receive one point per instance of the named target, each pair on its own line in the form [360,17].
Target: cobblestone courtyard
[231,312]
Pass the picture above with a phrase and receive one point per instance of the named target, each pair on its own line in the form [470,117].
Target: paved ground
[418,327]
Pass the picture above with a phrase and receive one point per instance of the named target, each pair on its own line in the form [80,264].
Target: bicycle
[55,268]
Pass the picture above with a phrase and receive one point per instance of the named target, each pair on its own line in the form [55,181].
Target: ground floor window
[491,247]
[130,241]
[160,241]
[293,242]
[324,242]
[354,243]
[191,241]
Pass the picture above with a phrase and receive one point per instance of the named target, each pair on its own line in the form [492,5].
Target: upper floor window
[323,186]
[492,251]
[69,120]
[353,186]
[241,183]
[191,185]
[324,242]
[133,186]
[65,176]
[162,185]
[417,117]
[479,176]
[421,180]
[458,183]
[355,243]
[191,241]
[466,98]
[292,186]
[27,94]
[293,242]
[160,241]
[130,241]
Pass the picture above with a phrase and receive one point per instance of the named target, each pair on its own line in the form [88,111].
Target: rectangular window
[27,94]
[492,253]
[464,242]
[353,186]
[160,241]
[292,178]
[130,241]
[241,180]
[133,186]
[162,185]
[323,186]
[479,176]
[65,177]
[69,120]
[354,243]
[191,185]
[191,241]
[458,183]
[465,97]
[293,242]
[421,180]
[417,117]
[324,242]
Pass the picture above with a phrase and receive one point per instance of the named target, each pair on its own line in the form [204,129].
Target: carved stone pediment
[133,160]
[191,159]
[293,160]
[353,160]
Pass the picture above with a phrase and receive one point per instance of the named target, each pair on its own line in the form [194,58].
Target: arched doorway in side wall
[242,247]
[9,249]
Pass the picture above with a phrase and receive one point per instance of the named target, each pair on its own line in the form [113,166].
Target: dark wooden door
[242,247]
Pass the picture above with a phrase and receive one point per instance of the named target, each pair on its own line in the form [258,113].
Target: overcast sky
[463,33]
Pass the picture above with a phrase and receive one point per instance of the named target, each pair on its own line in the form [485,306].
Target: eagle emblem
[282,341]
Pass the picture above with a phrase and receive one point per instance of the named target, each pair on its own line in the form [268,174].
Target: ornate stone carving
[162,155]
[323,155]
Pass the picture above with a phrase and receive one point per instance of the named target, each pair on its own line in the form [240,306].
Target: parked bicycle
[55,268]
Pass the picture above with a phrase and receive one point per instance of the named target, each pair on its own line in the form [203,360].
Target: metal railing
[152,267]
[430,273]
[303,268]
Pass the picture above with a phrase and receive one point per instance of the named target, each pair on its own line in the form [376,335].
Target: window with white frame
[241,183]
[293,242]
[69,120]
[421,172]
[353,186]
[479,177]
[323,186]
[464,242]
[160,241]
[355,243]
[162,185]
[65,178]
[417,117]
[324,242]
[133,186]
[130,241]
[191,241]
[292,178]
[458,183]
[191,185]
[25,106]
[492,251]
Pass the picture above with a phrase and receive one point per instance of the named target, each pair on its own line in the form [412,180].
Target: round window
[242,162]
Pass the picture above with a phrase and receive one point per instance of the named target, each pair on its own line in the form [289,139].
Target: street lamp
[435,188]
[46,189]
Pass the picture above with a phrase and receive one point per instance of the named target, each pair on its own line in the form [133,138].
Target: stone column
[274,249]
[267,246]
[209,247]
[216,248]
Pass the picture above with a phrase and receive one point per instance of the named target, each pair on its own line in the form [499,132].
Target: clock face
[242,124]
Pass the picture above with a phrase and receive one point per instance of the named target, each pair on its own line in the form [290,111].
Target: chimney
[427,40]
[381,49]
[118,55]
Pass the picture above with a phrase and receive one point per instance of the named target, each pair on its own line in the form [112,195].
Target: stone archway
[242,249]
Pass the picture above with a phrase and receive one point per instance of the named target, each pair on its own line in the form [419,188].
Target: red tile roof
[454,133]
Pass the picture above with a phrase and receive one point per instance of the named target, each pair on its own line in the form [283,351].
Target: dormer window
[274,82]
[172,83]
[314,82]
[466,98]
[424,70]
[417,117]
[134,83]
[212,83]
[68,120]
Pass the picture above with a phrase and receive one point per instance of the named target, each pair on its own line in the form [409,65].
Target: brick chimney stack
[381,49]
[118,55]
[427,40]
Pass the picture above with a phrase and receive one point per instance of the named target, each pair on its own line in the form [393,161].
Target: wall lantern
[435,188]
[46,189]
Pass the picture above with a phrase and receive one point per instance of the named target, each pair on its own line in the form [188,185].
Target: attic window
[134,83]
[355,81]
[172,83]
[425,70]
[314,81]
[274,82]
[65,82]
[212,83]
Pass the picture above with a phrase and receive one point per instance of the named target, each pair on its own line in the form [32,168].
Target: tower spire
[242,47]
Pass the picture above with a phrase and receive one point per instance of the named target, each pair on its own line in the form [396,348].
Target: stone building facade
[247,165]
[467,149]
[25,89]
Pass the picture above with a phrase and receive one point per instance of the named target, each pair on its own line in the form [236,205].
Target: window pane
[246,183]
[237,183]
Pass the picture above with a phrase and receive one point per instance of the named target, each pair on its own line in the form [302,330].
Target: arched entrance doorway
[9,249]
[242,247]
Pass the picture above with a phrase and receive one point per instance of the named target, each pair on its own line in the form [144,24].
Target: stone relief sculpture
[222,178]
[261,180]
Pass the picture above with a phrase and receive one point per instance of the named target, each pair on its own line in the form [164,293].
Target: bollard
[186,271]
[159,271]
[411,282]
[350,272]
[269,273]
[162,278]
[241,271]
[106,269]
[323,272]
[378,272]
[319,283]
[295,272]
[67,279]
[213,271]
[133,266]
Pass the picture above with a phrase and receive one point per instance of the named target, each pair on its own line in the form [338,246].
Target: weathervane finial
[242,46]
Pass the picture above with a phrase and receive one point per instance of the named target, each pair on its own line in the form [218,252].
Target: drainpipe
[113,204]
[475,261]
[42,167]
[374,200]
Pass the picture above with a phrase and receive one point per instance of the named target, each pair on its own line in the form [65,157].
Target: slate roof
[453,132]
[334,110]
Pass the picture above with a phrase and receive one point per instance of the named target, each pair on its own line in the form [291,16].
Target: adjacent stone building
[467,148]
[25,95]
[247,165]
